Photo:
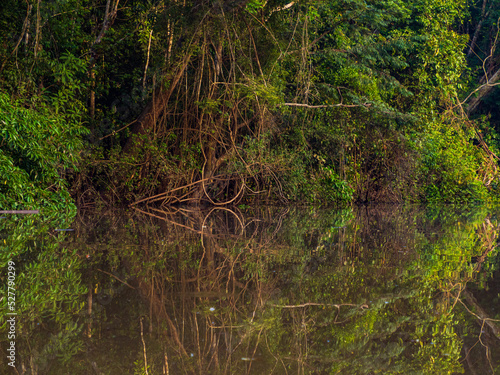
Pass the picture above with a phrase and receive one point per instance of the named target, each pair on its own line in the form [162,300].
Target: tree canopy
[221,102]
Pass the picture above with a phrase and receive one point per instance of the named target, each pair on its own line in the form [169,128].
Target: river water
[266,290]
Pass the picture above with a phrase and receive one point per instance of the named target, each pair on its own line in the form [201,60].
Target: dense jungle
[249,187]
[235,102]
[265,290]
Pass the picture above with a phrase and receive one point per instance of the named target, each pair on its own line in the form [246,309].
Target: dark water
[377,290]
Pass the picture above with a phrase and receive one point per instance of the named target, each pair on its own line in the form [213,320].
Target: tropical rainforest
[204,102]
[259,112]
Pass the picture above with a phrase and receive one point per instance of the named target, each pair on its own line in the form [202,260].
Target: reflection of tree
[475,250]
[216,291]
[212,271]
[282,291]
[479,346]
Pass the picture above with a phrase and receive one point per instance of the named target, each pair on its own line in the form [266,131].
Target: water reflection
[260,291]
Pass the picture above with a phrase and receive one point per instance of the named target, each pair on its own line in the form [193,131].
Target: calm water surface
[268,290]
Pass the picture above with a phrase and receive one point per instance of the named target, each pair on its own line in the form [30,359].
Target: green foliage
[396,69]
[370,79]
[254,6]
[450,166]
[65,100]
[37,147]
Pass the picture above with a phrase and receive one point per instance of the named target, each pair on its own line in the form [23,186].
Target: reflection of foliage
[62,345]
[392,326]
[463,237]
[223,292]
[48,288]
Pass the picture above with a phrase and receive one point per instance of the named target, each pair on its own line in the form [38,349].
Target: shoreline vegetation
[217,103]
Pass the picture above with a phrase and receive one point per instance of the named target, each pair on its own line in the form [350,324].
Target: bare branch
[147,61]
[366,105]
[319,304]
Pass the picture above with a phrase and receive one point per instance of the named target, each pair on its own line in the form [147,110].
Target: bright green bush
[450,166]
[36,150]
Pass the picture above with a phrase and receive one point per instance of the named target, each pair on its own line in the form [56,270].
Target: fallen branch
[319,304]
[366,105]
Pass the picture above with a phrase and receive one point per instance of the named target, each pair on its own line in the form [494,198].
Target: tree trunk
[483,91]
[478,27]
[109,17]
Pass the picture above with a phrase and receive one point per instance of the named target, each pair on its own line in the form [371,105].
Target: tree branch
[366,105]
